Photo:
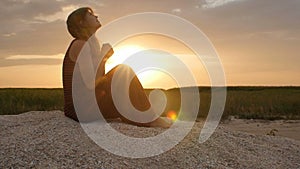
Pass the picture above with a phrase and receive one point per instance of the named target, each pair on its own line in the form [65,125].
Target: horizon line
[230,86]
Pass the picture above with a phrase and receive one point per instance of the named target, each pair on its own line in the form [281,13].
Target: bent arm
[106,53]
[85,61]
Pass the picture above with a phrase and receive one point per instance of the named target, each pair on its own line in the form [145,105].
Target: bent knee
[124,69]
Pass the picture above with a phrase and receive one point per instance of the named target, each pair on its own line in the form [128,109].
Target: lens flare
[172,115]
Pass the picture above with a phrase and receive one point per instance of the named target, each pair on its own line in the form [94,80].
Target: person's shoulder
[76,48]
[78,42]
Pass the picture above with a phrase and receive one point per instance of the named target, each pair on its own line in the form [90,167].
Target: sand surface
[283,128]
[50,140]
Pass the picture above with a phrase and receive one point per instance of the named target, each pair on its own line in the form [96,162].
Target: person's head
[82,23]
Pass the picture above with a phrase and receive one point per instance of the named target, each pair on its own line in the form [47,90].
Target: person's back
[68,68]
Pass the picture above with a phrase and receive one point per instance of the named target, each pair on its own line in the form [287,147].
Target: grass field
[18,100]
[242,102]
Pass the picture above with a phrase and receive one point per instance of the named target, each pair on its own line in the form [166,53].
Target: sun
[149,78]
[121,53]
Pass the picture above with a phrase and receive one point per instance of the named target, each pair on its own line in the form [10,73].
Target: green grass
[263,102]
[242,102]
[268,103]
[18,100]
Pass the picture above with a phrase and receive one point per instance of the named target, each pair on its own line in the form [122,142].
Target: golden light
[172,115]
[121,53]
[148,78]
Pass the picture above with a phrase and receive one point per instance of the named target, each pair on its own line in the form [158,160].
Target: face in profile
[91,21]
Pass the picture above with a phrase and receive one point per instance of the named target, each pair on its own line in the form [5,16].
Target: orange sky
[257,41]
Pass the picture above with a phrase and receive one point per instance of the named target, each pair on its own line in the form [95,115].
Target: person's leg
[104,99]
[137,97]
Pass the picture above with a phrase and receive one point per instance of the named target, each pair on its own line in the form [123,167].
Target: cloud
[61,15]
[19,62]
[253,16]
[34,27]
[18,16]
[176,10]
[217,3]
[17,57]
[45,38]
[9,34]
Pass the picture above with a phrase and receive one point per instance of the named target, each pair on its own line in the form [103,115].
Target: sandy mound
[50,140]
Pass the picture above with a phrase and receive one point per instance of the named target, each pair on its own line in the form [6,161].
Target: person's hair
[75,28]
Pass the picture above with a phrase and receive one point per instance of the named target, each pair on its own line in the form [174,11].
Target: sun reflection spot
[172,115]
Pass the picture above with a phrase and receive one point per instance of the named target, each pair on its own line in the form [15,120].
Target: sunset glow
[123,52]
[256,48]
[120,54]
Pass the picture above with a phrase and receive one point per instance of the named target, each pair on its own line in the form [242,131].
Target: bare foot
[161,122]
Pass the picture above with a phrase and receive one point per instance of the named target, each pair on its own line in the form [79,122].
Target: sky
[257,41]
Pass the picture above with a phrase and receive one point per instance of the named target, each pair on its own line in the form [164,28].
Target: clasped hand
[106,51]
